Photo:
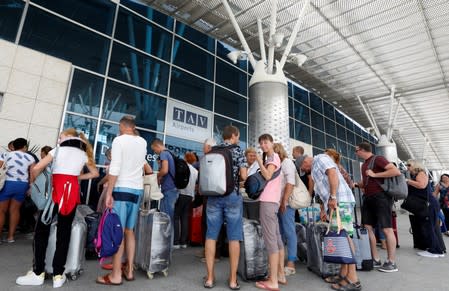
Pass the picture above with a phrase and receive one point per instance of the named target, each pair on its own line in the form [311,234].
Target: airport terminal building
[85,63]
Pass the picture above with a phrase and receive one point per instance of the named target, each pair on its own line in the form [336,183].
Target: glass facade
[131,59]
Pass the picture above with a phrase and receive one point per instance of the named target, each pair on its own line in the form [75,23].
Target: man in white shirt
[125,188]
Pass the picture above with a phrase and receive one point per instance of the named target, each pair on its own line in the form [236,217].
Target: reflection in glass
[224,49]
[318,138]
[193,59]
[85,93]
[317,120]
[290,107]
[148,109]
[290,89]
[191,89]
[302,132]
[316,103]
[331,142]
[316,151]
[149,13]
[350,137]
[301,95]
[143,35]
[341,132]
[291,122]
[195,36]
[10,14]
[342,148]
[328,110]
[230,104]
[231,78]
[179,146]
[86,125]
[138,69]
[349,124]
[57,37]
[221,122]
[339,118]
[98,14]
[302,113]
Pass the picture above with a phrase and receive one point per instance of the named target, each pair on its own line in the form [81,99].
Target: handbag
[300,197]
[3,170]
[255,184]
[395,187]
[418,205]
[336,246]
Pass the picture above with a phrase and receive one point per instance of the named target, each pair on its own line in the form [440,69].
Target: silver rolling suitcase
[75,255]
[253,261]
[153,242]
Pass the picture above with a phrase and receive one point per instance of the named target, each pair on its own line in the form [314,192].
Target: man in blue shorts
[125,188]
[227,208]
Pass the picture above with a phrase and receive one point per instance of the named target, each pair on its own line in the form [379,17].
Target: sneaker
[184,246]
[31,279]
[428,254]
[176,247]
[377,264]
[59,280]
[388,267]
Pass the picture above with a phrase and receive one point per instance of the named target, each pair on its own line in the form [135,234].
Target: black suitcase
[92,221]
[301,242]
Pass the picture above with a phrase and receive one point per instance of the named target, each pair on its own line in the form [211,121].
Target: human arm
[147,169]
[39,167]
[163,170]
[332,175]
[390,171]
[111,183]
[288,191]
[243,173]
[93,173]
[437,190]
[267,172]
[421,181]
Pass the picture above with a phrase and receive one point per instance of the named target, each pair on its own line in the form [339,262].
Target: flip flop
[124,272]
[262,285]
[236,287]
[106,281]
[208,285]
[283,282]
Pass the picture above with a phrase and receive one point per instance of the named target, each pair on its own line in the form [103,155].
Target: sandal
[350,286]
[289,271]
[208,285]
[235,287]
[105,280]
[333,279]
[124,272]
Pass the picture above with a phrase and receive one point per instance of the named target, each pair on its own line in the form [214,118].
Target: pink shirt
[272,191]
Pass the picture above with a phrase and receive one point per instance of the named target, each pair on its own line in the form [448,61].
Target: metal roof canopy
[356,48]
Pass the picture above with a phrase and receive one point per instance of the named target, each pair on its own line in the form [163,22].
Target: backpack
[216,172]
[255,184]
[109,235]
[182,172]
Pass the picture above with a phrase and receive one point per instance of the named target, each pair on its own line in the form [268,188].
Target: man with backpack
[227,208]
[125,188]
[166,177]
[377,205]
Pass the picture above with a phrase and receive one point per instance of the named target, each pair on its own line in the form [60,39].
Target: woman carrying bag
[74,152]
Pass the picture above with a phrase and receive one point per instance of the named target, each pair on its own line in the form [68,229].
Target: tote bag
[336,247]
[300,197]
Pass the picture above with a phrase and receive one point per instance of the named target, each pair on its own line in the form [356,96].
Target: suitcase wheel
[73,277]
[150,275]
[165,272]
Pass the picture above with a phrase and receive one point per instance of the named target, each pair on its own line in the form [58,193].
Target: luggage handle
[339,226]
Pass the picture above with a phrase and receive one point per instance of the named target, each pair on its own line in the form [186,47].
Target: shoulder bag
[255,183]
[300,197]
[395,187]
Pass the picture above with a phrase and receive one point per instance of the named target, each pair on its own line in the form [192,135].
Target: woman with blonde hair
[73,153]
[426,229]
[336,157]
[286,214]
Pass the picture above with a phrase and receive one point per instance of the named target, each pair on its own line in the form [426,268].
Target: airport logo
[189,117]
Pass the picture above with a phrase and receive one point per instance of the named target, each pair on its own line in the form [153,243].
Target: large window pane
[328,110]
[330,127]
[138,69]
[221,122]
[190,89]
[339,118]
[302,113]
[317,120]
[223,50]
[62,39]
[97,14]
[231,78]
[230,104]
[149,13]
[331,142]
[290,108]
[342,148]
[349,124]
[316,103]
[350,137]
[148,109]
[291,122]
[341,132]
[318,139]
[195,36]
[193,59]
[86,125]
[290,89]
[143,35]
[108,131]
[180,146]
[10,14]
[85,93]
[302,133]
[301,95]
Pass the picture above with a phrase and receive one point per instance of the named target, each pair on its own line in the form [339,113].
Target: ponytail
[89,150]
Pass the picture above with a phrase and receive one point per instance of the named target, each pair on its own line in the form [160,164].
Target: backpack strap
[370,167]
[173,157]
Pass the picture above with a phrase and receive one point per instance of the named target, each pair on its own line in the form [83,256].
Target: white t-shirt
[68,161]
[18,164]
[288,170]
[190,188]
[128,158]
[253,168]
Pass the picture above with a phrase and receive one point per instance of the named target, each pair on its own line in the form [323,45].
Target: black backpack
[182,172]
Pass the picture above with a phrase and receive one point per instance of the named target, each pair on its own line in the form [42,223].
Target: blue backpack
[109,235]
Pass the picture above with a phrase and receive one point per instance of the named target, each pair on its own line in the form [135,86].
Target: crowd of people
[325,178]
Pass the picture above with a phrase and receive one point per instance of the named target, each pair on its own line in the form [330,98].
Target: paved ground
[415,273]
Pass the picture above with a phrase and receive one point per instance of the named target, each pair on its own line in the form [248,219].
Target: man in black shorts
[377,206]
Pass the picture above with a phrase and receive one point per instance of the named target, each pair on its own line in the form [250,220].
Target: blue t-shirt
[168,182]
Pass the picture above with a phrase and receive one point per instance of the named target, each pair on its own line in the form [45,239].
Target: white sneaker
[59,280]
[183,246]
[427,254]
[176,247]
[31,279]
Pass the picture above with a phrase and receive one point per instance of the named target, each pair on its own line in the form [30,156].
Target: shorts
[377,209]
[270,227]
[346,210]
[126,205]
[227,209]
[14,190]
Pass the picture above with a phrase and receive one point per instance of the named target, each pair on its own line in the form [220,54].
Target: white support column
[273,15]
[390,115]
[369,116]
[292,39]
[239,33]
[261,40]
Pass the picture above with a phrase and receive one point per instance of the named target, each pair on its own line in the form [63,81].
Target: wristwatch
[333,197]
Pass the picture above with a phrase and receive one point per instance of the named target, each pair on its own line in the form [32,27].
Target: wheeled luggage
[363,257]
[195,226]
[251,209]
[314,236]
[92,222]
[301,242]
[153,242]
[75,255]
[253,262]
